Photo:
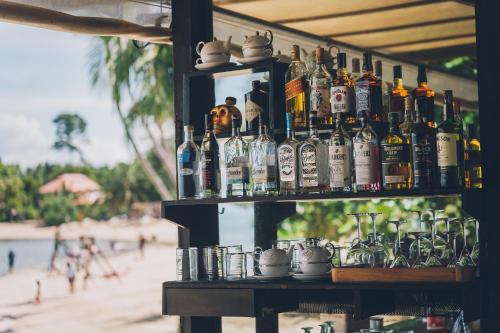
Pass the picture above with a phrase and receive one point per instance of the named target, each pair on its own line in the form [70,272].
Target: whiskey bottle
[449,146]
[255,105]
[474,165]
[355,69]
[263,162]
[236,162]
[369,96]
[321,81]
[313,160]
[287,159]
[396,166]
[423,151]
[399,100]
[188,166]
[385,90]
[296,88]
[366,157]
[210,170]
[407,123]
[340,157]
[342,93]
[425,97]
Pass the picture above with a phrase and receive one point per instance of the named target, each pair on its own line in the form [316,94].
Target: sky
[42,74]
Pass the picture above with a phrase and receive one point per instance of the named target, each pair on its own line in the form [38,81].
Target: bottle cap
[355,65]
[367,61]
[230,100]
[398,72]
[422,75]
[295,52]
[320,58]
[256,85]
[378,68]
[341,60]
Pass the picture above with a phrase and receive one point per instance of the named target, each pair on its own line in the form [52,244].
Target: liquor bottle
[342,93]
[463,157]
[340,157]
[399,99]
[425,96]
[236,162]
[449,146]
[474,165]
[369,96]
[423,151]
[407,123]
[296,88]
[321,81]
[188,168]
[263,162]
[313,160]
[366,157]
[287,159]
[210,170]
[385,90]
[396,166]
[355,70]
[255,105]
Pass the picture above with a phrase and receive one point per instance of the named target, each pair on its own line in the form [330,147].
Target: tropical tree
[143,79]
[69,128]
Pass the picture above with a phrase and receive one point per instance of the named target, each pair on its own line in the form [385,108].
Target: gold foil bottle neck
[320,55]
[295,53]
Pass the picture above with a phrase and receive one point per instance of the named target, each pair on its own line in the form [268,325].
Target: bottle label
[209,170]
[262,174]
[365,163]
[287,162]
[446,144]
[395,153]
[363,96]
[309,166]
[320,101]
[252,110]
[236,175]
[340,166]
[422,159]
[399,104]
[295,87]
[341,99]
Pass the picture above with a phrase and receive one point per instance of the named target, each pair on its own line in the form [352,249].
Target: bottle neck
[398,83]
[313,125]
[448,113]
[262,129]
[188,136]
[236,131]
[342,72]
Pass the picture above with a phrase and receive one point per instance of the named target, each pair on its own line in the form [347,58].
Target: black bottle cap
[256,85]
[230,100]
[378,68]
[342,60]
[209,122]
[355,65]
[367,61]
[472,131]
[422,75]
[398,72]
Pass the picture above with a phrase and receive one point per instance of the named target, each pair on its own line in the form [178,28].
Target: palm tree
[143,77]
[68,128]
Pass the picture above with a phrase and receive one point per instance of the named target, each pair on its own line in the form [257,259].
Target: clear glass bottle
[297,88]
[425,96]
[321,81]
[396,166]
[355,69]
[313,160]
[236,162]
[263,162]
[340,158]
[342,93]
[287,159]
[188,166]
[210,170]
[366,157]
[474,165]
[256,102]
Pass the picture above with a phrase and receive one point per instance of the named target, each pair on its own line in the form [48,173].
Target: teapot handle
[198,49]
[270,37]
[331,249]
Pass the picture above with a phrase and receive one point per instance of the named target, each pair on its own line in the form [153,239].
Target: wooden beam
[427,40]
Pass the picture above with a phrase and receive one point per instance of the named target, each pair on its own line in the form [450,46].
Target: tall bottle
[425,96]
[263,162]
[369,95]
[355,69]
[463,157]
[236,161]
[321,81]
[385,90]
[423,151]
[313,160]
[188,166]
[209,158]
[474,165]
[399,99]
[366,157]
[255,105]
[340,157]
[449,146]
[342,93]
[297,89]
[287,159]
[396,166]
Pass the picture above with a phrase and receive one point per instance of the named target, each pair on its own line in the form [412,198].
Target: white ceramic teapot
[258,45]
[216,51]
[273,262]
[316,260]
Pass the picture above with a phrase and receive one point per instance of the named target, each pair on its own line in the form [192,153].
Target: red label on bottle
[295,87]
[435,323]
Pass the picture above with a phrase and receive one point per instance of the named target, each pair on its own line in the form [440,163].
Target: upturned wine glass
[465,258]
[399,258]
[449,250]
[358,251]
[452,237]
[475,249]
[380,252]
[425,243]
[433,257]
[418,263]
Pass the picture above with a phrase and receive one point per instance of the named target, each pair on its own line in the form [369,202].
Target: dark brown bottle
[425,96]
[255,106]
[474,161]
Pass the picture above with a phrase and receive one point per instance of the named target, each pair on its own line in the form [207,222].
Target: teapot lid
[273,256]
[230,100]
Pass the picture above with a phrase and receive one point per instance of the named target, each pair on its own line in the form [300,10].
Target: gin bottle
[263,162]
[340,158]
[313,160]
[210,170]
[321,81]
[236,161]
[188,169]
[366,157]
[287,159]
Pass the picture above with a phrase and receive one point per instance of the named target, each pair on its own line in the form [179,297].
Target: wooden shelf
[239,69]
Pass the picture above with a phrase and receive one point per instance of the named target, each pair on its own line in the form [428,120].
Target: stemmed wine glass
[465,257]
[377,247]
[418,263]
[433,258]
[358,250]
[475,249]
[399,258]
[448,254]
[452,237]
[424,245]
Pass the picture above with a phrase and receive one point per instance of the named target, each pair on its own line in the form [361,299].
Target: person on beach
[38,293]
[142,244]
[11,256]
[71,275]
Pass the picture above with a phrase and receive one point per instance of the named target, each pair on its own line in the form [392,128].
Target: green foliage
[12,195]
[57,209]
[465,66]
